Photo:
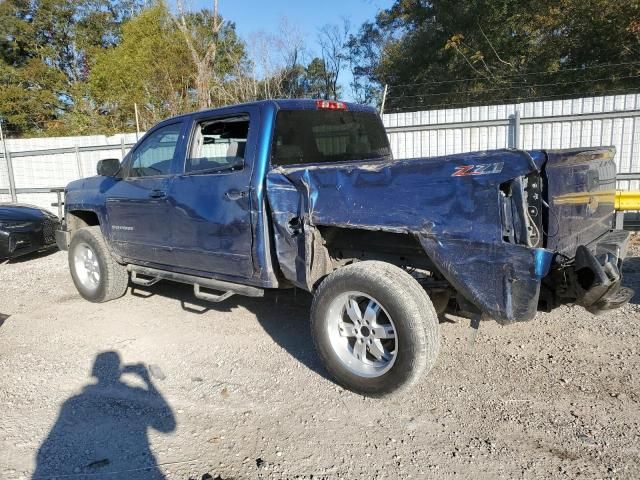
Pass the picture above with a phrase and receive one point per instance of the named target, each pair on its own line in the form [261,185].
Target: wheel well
[345,245]
[401,249]
[78,219]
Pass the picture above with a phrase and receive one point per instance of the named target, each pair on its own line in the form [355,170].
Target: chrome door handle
[235,194]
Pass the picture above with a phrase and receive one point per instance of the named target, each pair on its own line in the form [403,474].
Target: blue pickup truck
[305,193]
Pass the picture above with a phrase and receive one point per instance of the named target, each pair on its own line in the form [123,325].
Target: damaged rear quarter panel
[456,219]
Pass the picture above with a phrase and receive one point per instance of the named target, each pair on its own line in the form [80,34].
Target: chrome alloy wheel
[87,266]
[362,334]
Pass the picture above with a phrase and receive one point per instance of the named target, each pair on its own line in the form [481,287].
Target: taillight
[330,105]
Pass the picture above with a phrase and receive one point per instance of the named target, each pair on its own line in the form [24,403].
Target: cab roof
[281,104]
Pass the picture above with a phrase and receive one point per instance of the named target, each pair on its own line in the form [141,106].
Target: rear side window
[318,136]
[218,145]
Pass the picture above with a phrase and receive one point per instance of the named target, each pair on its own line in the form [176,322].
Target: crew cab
[305,193]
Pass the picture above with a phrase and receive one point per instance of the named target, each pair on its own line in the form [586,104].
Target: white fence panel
[40,164]
[583,122]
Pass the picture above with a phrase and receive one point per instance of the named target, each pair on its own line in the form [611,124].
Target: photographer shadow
[103,431]
[631,276]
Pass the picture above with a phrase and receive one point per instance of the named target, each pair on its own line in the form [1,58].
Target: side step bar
[198,283]
[143,282]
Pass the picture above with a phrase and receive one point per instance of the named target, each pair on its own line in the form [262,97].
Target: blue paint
[542,261]
[268,235]
[262,255]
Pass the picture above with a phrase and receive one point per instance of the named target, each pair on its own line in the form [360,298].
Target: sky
[253,16]
[264,15]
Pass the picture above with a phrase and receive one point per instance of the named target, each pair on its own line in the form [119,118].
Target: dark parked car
[25,229]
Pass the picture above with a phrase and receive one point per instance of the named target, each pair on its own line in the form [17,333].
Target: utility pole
[135,107]
[7,158]
[384,99]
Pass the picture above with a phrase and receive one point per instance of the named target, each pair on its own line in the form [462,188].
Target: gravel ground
[235,391]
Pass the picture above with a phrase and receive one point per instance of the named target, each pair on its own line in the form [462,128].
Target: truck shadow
[631,276]
[283,314]
[31,256]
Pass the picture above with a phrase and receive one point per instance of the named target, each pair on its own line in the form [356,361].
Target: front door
[138,206]
[211,219]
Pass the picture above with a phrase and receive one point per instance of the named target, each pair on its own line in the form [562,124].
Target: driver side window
[153,157]
[219,145]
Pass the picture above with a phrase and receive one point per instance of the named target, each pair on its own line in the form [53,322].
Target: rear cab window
[326,136]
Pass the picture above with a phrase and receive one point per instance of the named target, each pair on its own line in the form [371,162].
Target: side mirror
[108,167]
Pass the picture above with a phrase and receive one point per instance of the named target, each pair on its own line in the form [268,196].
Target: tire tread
[115,275]
[420,314]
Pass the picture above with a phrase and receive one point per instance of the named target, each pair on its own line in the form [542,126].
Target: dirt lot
[236,391]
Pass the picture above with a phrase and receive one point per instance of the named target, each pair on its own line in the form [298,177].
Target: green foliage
[364,54]
[509,49]
[46,51]
[149,67]
[79,67]
[154,67]
[317,80]
[30,96]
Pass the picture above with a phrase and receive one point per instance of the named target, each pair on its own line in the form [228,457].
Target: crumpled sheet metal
[499,279]
[286,205]
[456,219]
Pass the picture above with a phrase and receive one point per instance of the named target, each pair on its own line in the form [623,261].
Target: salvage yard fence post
[7,158]
[515,129]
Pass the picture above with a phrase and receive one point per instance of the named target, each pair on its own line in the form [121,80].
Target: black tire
[405,301]
[113,277]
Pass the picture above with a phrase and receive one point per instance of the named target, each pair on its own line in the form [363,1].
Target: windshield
[320,136]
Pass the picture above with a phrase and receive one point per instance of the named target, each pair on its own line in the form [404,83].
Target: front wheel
[374,328]
[96,274]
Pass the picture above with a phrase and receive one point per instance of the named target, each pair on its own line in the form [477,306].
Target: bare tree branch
[202,61]
[492,48]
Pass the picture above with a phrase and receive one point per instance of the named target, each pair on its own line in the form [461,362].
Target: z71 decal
[485,169]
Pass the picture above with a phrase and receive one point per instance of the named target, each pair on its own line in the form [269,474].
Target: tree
[214,49]
[278,66]
[46,53]
[201,39]
[30,97]
[165,69]
[445,52]
[332,40]
[364,53]
[151,67]
[318,82]
[275,65]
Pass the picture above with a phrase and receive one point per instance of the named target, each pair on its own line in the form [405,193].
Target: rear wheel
[374,328]
[96,274]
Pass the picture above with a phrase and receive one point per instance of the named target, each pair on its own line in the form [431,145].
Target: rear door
[211,218]
[138,206]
